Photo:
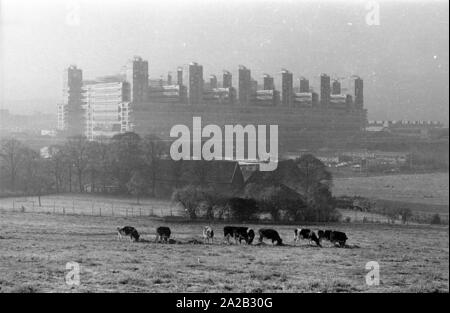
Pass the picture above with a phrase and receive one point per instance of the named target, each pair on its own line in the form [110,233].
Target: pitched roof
[195,171]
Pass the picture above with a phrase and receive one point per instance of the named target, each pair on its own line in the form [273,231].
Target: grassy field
[421,192]
[92,204]
[34,249]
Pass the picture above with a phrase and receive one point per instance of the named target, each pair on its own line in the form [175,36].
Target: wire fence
[90,207]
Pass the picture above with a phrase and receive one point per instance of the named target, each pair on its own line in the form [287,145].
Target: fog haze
[403,61]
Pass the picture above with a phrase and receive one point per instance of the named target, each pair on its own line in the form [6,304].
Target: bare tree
[11,153]
[76,152]
[153,148]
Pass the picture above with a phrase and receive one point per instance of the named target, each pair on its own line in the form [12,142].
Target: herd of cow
[246,234]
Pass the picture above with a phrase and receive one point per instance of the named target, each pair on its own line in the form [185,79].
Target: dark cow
[270,234]
[305,233]
[127,231]
[162,234]
[338,237]
[239,233]
[324,234]
[334,237]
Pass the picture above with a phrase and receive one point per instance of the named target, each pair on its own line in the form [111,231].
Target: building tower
[213,82]
[195,91]
[336,87]
[325,90]
[304,85]
[287,88]
[137,77]
[244,85]
[268,83]
[180,76]
[169,78]
[227,80]
[359,94]
[70,111]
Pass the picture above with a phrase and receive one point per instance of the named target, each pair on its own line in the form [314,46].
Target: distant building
[265,98]
[287,88]
[359,92]
[303,99]
[180,76]
[224,176]
[227,80]
[136,72]
[212,81]
[336,88]
[253,86]
[338,101]
[70,110]
[325,90]
[244,85]
[304,85]
[195,90]
[220,96]
[268,83]
[106,107]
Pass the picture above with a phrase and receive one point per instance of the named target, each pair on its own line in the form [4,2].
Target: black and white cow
[306,234]
[162,234]
[271,234]
[127,231]
[334,237]
[239,234]
[208,234]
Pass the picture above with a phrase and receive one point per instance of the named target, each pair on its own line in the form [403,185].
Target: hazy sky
[404,61]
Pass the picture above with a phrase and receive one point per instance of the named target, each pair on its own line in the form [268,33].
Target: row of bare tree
[69,167]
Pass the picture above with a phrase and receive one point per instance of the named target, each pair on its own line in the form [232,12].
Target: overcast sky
[404,61]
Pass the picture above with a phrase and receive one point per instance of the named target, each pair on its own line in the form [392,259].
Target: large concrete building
[287,88]
[70,110]
[336,88]
[359,92]
[303,120]
[325,90]
[268,83]
[245,78]
[304,85]
[227,79]
[195,90]
[136,74]
[106,109]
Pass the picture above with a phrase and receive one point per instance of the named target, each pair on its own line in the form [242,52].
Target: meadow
[424,193]
[35,247]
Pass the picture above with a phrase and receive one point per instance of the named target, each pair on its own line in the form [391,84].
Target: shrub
[435,219]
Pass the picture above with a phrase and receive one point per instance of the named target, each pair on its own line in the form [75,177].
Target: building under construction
[304,119]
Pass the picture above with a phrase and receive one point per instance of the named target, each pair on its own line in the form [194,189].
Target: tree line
[127,164]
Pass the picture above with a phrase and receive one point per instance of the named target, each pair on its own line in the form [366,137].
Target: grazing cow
[270,234]
[208,234]
[239,233]
[305,233]
[127,231]
[334,237]
[162,234]
[324,234]
[338,237]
